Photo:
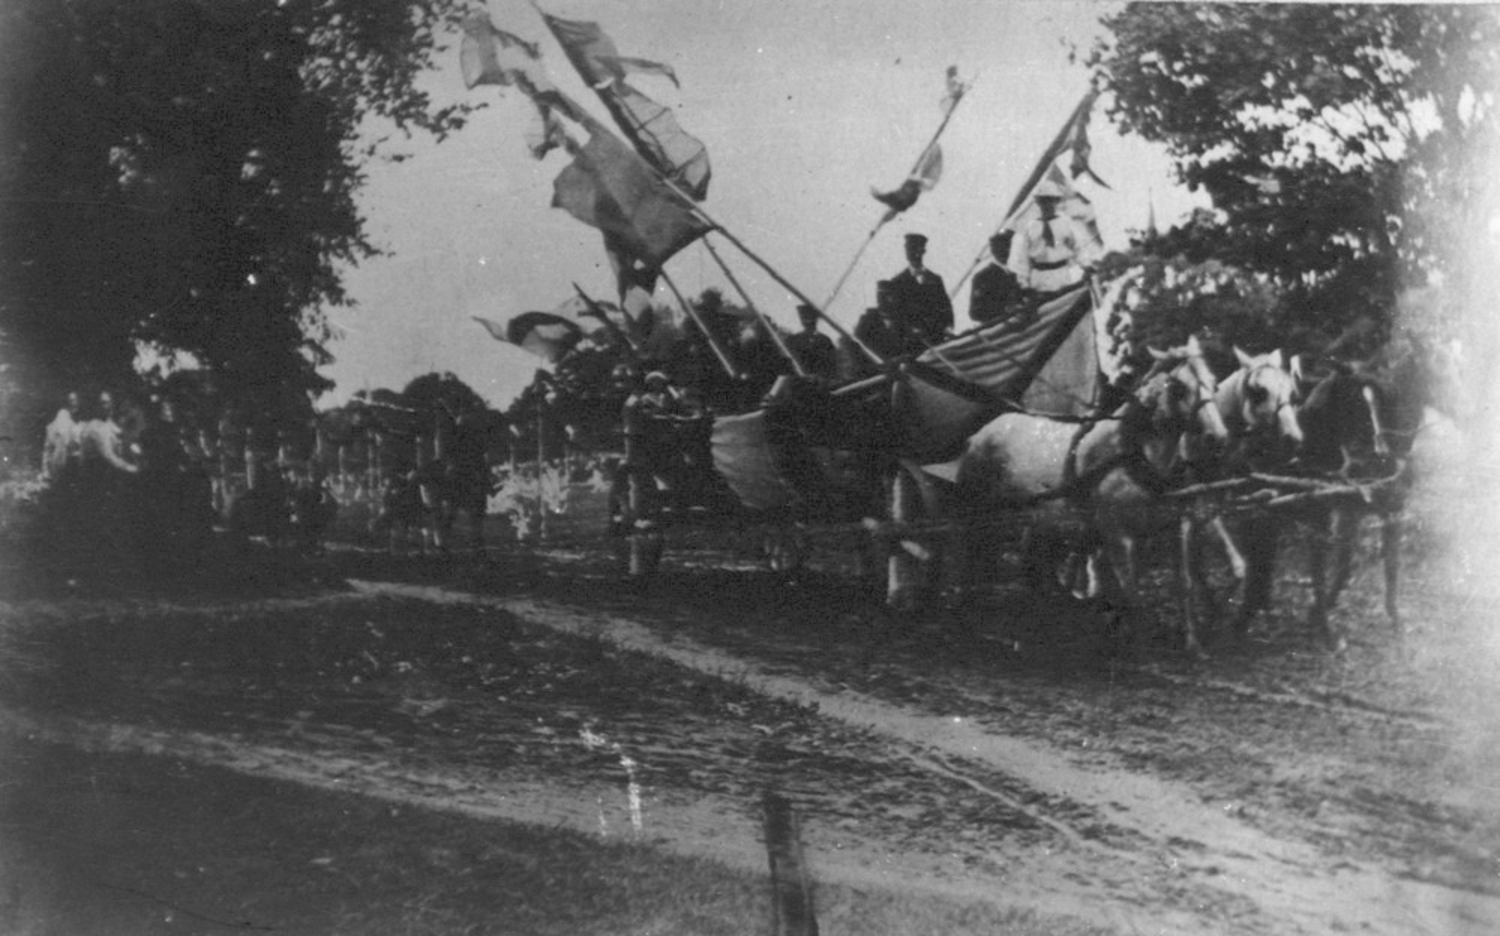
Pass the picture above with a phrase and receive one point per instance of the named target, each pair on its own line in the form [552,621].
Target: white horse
[1111,473]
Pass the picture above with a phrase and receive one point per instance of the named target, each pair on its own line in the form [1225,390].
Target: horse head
[1180,392]
[1259,402]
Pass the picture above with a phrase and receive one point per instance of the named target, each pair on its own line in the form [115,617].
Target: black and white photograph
[770,468]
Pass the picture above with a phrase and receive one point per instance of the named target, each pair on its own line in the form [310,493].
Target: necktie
[1047,236]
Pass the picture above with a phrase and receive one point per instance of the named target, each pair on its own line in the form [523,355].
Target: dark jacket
[922,306]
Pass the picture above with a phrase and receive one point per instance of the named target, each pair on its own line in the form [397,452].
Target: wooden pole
[720,353]
[771,271]
[790,884]
[764,321]
[887,216]
[541,467]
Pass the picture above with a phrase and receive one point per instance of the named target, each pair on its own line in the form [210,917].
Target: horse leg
[1390,554]
[1325,547]
[1258,537]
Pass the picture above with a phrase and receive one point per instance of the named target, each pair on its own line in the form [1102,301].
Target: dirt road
[1277,790]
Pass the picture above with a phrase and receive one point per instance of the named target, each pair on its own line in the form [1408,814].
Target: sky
[803,106]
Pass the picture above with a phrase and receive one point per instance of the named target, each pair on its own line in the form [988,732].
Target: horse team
[1093,490]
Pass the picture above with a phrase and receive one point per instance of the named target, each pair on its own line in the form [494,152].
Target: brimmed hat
[1047,189]
[656,376]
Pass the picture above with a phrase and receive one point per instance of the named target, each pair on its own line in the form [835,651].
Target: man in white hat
[1047,250]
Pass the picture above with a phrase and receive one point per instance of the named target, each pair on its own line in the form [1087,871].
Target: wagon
[846,458]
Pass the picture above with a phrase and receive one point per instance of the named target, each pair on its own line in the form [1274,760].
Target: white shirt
[1048,267]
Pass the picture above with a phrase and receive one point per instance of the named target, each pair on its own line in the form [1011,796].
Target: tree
[182,173]
[1349,150]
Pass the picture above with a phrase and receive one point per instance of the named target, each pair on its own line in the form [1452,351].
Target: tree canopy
[182,173]
[1349,150]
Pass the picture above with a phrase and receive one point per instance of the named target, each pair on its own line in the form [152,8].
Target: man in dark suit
[882,331]
[814,350]
[996,293]
[921,305]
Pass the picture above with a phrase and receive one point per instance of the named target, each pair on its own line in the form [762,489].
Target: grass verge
[126,844]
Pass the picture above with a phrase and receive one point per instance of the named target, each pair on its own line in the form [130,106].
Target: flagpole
[869,239]
[886,218]
[687,307]
[781,280]
[765,322]
[577,113]
[1049,156]
[613,329]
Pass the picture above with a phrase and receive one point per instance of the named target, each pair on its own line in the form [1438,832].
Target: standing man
[1051,253]
[814,350]
[996,293]
[921,304]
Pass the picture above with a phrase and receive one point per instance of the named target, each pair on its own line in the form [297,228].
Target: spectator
[61,446]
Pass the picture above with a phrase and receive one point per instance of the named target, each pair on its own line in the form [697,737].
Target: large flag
[608,185]
[611,188]
[547,335]
[649,126]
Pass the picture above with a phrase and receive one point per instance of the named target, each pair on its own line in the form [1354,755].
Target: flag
[1073,139]
[926,174]
[650,127]
[545,334]
[493,56]
[929,168]
[609,187]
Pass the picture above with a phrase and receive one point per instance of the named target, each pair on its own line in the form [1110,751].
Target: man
[996,293]
[881,330]
[814,350]
[920,299]
[1050,254]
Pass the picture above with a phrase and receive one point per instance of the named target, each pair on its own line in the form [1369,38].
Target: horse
[1111,473]
[1360,422]
[1257,403]
[1258,406]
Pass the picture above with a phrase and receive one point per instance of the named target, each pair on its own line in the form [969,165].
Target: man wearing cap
[1047,256]
[814,350]
[996,293]
[920,300]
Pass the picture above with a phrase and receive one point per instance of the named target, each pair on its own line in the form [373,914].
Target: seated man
[814,350]
[996,293]
[882,329]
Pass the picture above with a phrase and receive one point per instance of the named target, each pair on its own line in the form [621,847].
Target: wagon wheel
[785,549]
[914,564]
